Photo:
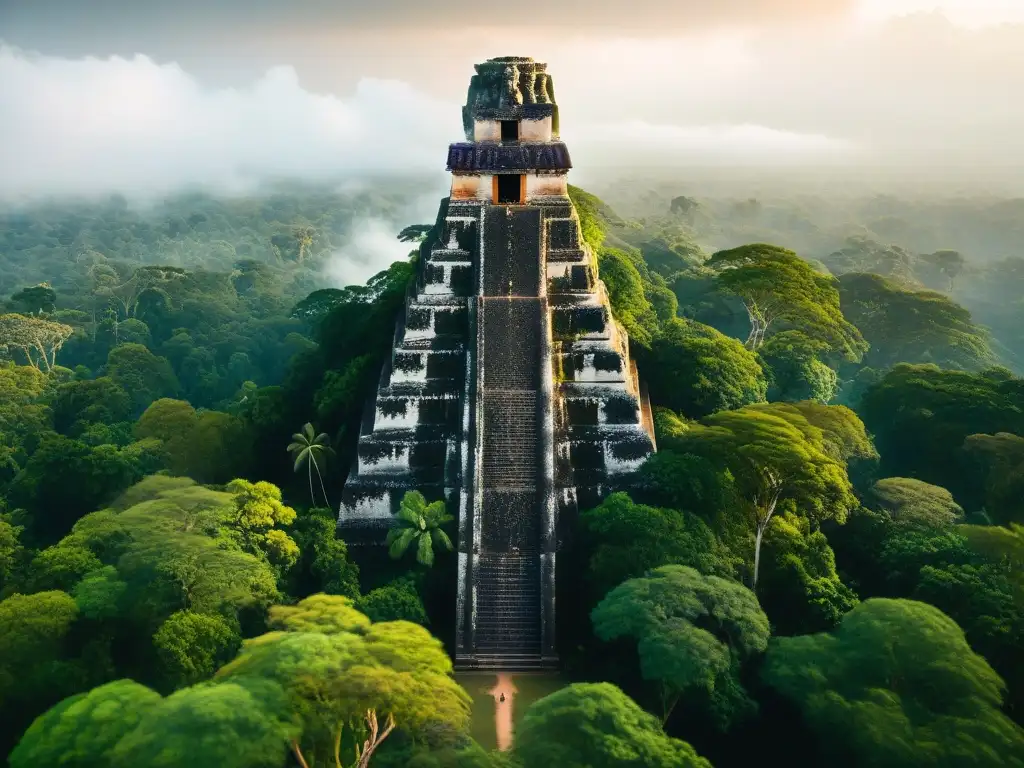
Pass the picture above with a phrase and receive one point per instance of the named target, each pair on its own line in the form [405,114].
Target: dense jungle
[821,565]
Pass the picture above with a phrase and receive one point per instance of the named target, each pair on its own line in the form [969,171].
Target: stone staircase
[508,609]
[510,438]
[507,571]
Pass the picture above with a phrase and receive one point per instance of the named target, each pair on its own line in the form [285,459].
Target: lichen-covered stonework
[510,392]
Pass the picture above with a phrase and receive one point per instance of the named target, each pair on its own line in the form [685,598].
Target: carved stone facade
[510,392]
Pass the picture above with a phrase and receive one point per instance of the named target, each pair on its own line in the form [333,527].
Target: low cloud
[134,126]
[711,145]
[372,247]
[372,243]
[95,126]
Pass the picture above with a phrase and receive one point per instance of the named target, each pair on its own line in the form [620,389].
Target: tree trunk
[321,477]
[42,351]
[298,754]
[757,551]
[762,525]
[755,323]
[668,703]
[375,740]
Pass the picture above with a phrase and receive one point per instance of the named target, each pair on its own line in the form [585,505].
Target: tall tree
[145,376]
[690,629]
[351,683]
[222,725]
[192,645]
[37,339]
[257,520]
[778,288]
[306,446]
[776,458]
[37,300]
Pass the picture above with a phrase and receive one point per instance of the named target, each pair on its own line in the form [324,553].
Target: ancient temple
[510,392]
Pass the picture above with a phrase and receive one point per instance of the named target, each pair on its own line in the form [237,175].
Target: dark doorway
[509,189]
[510,130]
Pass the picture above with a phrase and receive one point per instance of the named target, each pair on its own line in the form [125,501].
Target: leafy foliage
[912,327]
[597,726]
[421,524]
[689,628]
[897,685]
[694,369]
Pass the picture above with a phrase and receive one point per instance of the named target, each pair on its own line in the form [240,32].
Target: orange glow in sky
[967,12]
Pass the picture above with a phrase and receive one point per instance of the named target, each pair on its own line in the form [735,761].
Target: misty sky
[139,96]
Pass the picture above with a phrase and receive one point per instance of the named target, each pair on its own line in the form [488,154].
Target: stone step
[508,605]
[507,662]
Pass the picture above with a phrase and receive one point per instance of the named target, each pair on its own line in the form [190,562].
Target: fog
[820,94]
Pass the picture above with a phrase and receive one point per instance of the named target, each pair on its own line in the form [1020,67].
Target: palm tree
[420,523]
[306,445]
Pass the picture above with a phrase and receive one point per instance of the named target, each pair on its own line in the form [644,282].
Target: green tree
[679,480]
[351,683]
[800,588]
[921,416]
[173,546]
[690,629]
[257,510]
[626,294]
[916,503]
[694,369]
[100,593]
[37,339]
[223,725]
[215,450]
[912,327]
[897,685]
[843,433]
[420,524]
[777,287]
[12,553]
[999,460]
[191,646]
[795,370]
[65,479]
[625,540]
[324,564]
[76,404]
[142,374]
[24,416]
[305,446]
[397,601]
[36,670]
[37,300]
[777,458]
[61,567]
[82,730]
[595,725]
[167,420]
